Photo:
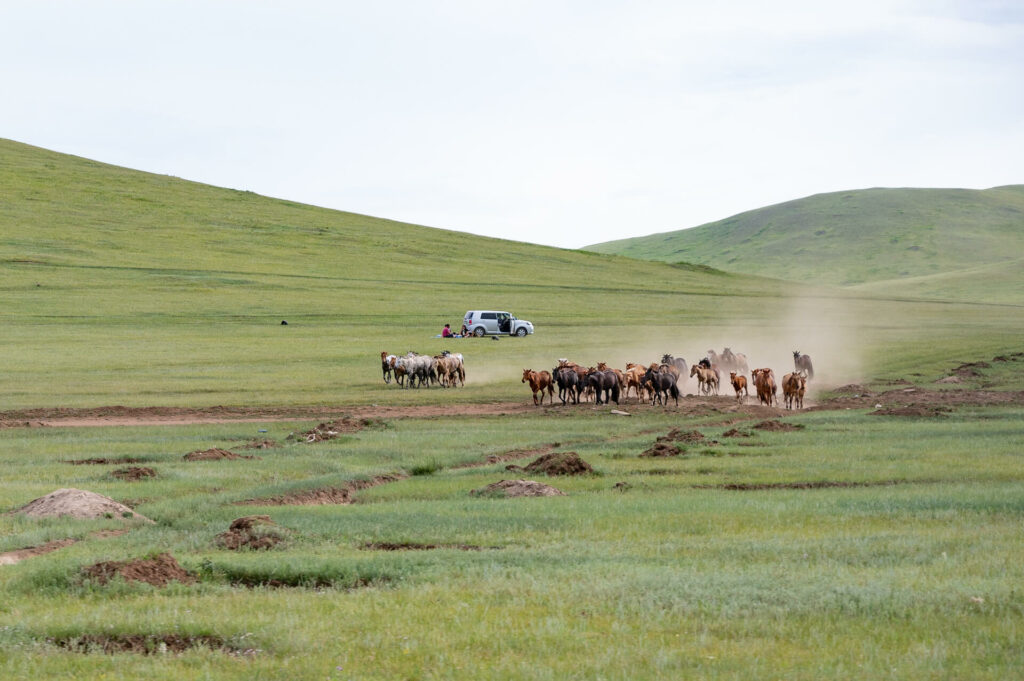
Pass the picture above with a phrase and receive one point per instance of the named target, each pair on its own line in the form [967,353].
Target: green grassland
[914,574]
[954,244]
[122,287]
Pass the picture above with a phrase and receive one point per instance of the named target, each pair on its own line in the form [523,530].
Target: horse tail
[674,391]
[810,368]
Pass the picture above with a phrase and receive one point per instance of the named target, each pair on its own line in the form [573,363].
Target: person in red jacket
[446,332]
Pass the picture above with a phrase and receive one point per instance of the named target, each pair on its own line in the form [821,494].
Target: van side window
[488,315]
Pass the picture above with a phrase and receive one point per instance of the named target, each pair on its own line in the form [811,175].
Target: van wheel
[521,331]
[479,332]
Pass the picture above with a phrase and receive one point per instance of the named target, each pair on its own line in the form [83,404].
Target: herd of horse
[659,381]
[415,371]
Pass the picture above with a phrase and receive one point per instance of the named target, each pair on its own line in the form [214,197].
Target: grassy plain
[912,575]
[127,288]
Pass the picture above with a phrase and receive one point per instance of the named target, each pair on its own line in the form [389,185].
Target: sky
[559,123]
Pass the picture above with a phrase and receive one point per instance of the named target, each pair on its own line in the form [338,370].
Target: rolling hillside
[954,244]
[124,287]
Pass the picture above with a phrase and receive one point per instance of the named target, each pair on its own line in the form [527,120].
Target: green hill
[124,287]
[956,244]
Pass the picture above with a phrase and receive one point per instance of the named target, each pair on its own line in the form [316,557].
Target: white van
[493,323]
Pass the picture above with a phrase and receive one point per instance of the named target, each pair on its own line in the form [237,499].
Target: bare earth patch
[160,570]
[325,495]
[511,455]
[145,644]
[329,431]
[214,454]
[778,426]
[412,546]
[817,484]
[677,435]
[102,461]
[518,488]
[18,555]
[920,410]
[77,503]
[735,433]
[133,473]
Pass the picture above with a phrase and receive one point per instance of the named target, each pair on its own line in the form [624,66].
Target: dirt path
[711,407]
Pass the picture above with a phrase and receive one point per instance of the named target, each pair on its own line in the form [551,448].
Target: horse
[708,364]
[459,369]
[604,383]
[662,384]
[678,362]
[739,384]
[635,380]
[707,379]
[601,366]
[803,363]
[793,387]
[764,381]
[385,365]
[539,382]
[568,384]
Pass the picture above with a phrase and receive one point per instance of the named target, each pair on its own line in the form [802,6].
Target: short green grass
[952,244]
[675,576]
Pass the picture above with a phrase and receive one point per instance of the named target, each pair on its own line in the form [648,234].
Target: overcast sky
[562,123]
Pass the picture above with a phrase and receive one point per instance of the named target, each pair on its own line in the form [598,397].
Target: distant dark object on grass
[284,323]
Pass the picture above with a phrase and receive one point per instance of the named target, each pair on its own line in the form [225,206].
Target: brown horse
[739,384]
[764,381]
[539,382]
[794,386]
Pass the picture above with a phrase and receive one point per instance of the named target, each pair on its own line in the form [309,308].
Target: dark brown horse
[604,383]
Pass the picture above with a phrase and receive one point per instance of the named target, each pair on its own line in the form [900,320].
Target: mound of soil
[925,410]
[677,435]
[260,444]
[214,455]
[324,495]
[735,433]
[160,570]
[78,503]
[663,449]
[517,488]
[559,463]
[329,431]
[774,425]
[253,532]
[142,644]
[90,462]
[133,473]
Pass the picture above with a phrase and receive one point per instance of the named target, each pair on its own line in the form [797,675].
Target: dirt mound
[735,433]
[133,473]
[144,644]
[925,410]
[253,532]
[517,488]
[329,431]
[774,425]
[260,444]
[91,462]
[160,570]
[663,449]
[214,455]
[412,546]
[509,456]
[77,503]
[324,495]
[559,463]
[677,435]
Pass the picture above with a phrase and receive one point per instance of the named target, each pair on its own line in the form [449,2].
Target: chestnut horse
[739,384]
[539,382]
